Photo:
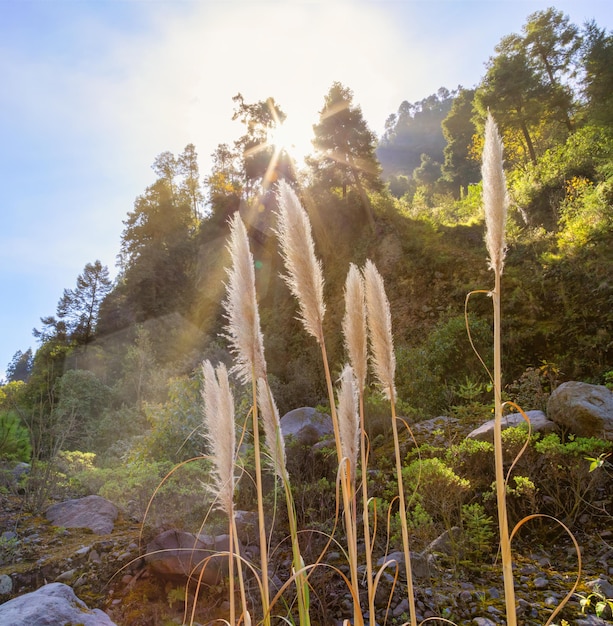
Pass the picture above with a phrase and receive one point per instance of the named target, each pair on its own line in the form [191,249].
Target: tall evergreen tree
[345,147]
[553,43]
[78,308]
[262,162]
[20,367]
[460,168]
[597,57]
[512,92]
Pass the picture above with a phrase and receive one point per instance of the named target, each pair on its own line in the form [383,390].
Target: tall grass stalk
[384,367]
[218,417]
[356,344]
[246,341]
[276,448]
[304,278]
[495,202]
[245,337]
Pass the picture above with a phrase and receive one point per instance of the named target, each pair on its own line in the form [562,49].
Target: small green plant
[478,530]
[596,601]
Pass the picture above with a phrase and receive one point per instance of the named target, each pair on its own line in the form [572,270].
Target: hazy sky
[91,91]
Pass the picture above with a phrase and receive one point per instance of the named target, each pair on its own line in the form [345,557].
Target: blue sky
[93,90]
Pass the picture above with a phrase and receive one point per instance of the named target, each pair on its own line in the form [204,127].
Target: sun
[293,137]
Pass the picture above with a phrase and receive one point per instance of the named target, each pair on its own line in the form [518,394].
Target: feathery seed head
[218,417]
[272,428]
[354,324]
[380,330]
[304,273]
[495,196]
[348,416]
[241,307]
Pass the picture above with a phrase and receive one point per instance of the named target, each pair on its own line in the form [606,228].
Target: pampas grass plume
[272,428]
[354,324]
[218,414]
[495,197]
[304,273]
[348,417]
[243,328]
[380,330]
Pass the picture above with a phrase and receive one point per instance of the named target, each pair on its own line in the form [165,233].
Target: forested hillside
[116,370]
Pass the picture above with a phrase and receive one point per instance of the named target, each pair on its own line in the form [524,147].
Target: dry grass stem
[495,196]
[354,324]
[218,412]
[243,328]
[304,273]
[380,329]
[495,202]
[348,417]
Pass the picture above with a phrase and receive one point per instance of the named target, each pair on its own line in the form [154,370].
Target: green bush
[437,488]
[473,460]
[430,375]
[181,502]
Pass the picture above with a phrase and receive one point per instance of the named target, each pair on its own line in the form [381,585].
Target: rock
[66,576]
[591,620]
[585,410]
[539,421]
[51,605]
[91,512]
[306,426]
[420,563]
[19,471]
[483,621]
[402,607]
[444,544]
[541,583]
[601,585]
[6,585]
[433,431]
[246,526]
[175,555]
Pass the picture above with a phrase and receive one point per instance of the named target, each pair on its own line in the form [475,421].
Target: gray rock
[585,410]
[421,563]
[6,585]
[246,526]
[601,585]
[20,470]
[306,426]
[91,512]
[51,605]
[175,555]
[591,620]
[444,544]
[483,621]
[539,422]
[541,583]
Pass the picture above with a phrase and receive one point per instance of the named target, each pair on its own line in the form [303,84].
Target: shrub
[14,439]
[473,460]
[438,488]
[478,531]
[176,503]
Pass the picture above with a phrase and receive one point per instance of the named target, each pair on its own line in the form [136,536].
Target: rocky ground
[107,572]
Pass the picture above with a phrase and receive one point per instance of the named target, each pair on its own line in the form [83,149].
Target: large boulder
[306,426]
[93,512]
[582,409]
[51,605]
[176,555]
[539,423]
